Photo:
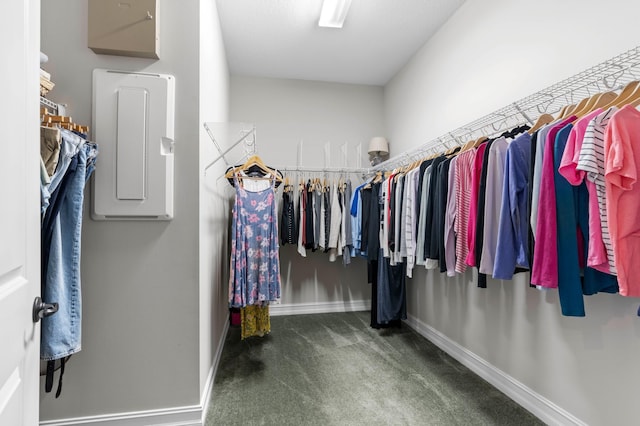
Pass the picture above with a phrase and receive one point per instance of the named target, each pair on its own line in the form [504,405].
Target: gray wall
[148,341]
[287,112]
[491,53]
[214,198]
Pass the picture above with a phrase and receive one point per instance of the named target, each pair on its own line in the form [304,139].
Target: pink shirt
[473,206]
[622,159]
[545,256]
[592,161]
[597,253]
[464,167]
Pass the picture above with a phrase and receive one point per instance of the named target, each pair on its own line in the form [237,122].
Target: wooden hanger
[254,160]
[632,98]
[603,99]
[543,120]
[634,103]
[625,94]
[480,141]
[569,110]
[468,145]
[594,102]
[61,121]
[566,111]
[562,111]
[581,105]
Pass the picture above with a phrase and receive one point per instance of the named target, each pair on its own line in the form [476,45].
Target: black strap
[48,383]
[51,368]
[62,363]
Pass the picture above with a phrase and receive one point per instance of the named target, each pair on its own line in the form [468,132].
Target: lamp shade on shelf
[378,145]
[378,148]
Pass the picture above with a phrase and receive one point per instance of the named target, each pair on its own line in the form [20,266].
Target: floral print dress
[255,263]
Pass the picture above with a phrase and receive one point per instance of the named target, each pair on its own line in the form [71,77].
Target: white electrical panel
[133,121]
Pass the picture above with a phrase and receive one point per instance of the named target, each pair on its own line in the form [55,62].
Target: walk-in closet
[253,212]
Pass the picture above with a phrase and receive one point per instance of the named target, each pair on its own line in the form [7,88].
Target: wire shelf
[612,74]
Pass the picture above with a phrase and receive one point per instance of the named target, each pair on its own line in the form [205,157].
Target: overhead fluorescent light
[334,13]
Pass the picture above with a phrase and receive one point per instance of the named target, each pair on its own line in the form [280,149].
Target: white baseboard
[194,415]
[208,387]
[319,308]
[535,403]
[178,416]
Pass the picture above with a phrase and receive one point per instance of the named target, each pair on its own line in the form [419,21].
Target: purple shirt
[513,228]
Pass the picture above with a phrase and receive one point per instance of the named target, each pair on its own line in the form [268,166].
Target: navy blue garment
[288,229]
[373,225]
[365,196]
[391,243]
[326,197]
[308,219]
[429,249]
[430,246]
[532,160]
[392,300]
[418,201]
[572,212]
[373,200]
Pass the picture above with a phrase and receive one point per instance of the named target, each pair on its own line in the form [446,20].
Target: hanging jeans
[61,248]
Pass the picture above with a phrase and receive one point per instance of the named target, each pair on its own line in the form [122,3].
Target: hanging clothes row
[316,215]
[331,216]
[556,200]
[67,162]
[386,277]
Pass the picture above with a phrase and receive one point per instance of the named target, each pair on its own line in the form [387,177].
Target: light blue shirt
[356,222]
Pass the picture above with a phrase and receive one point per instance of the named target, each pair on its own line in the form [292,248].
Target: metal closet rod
[321,170]
[619,69]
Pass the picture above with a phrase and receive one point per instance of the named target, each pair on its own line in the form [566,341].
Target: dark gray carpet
[333,369]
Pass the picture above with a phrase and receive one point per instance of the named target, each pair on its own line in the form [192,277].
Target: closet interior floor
[333,369]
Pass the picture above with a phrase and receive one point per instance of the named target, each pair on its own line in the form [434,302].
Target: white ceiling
[281,38]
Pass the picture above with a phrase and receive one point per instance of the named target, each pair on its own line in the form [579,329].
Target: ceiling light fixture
[334,13]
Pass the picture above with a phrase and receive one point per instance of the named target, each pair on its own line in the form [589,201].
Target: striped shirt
[449,221]
[591,160]
[411,219]
[463,168]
